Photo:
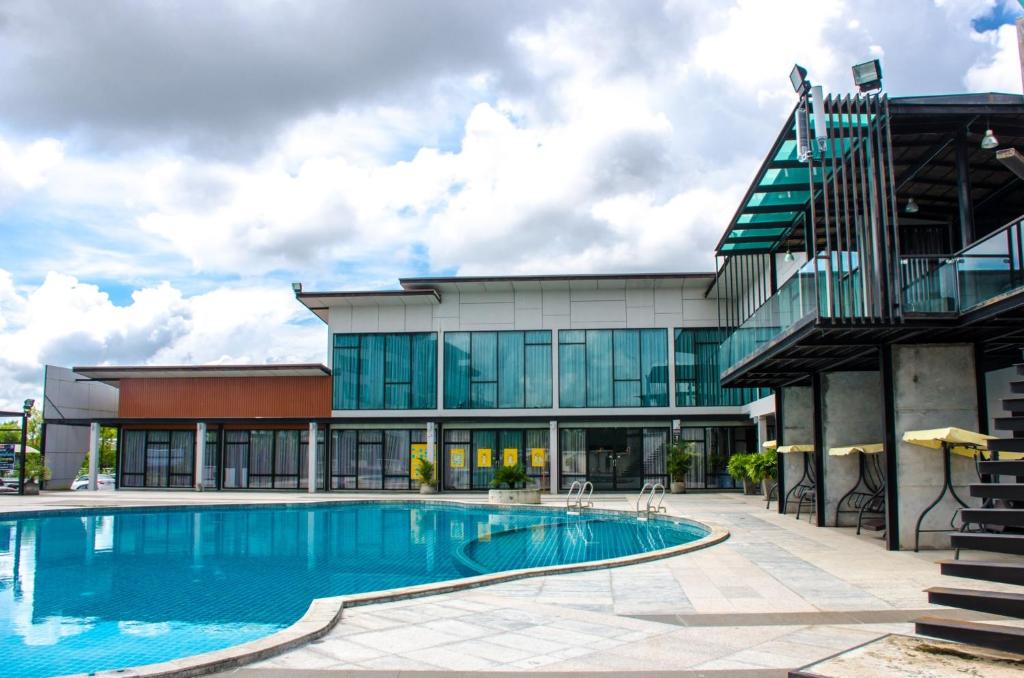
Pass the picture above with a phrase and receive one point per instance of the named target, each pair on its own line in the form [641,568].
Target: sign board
[457,458]
[7,456]
[417,453]
[510,456]
[483,457]
[537,456]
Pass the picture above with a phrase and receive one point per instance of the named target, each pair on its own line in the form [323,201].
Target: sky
[168,169]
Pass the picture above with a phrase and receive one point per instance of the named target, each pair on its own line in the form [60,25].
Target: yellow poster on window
[457,458]
[417,453]
[538,456]
[510,457]
[483,457]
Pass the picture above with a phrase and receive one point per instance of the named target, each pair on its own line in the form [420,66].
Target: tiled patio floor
[778,594]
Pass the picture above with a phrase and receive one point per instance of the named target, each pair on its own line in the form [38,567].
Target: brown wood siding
[225,397]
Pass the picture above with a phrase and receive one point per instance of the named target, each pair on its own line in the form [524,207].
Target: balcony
[989,270]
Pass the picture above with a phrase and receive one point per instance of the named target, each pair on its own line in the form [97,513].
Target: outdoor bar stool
[774,489]
[867,494]
[950,441]
[804,489]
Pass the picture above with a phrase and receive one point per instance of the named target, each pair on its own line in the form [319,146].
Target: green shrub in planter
[678,461]
[763,465]
[425,473]
[739,469]
[510,477]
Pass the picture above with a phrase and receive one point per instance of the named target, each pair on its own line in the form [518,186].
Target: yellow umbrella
[960,441]
[786,449]
[869,448]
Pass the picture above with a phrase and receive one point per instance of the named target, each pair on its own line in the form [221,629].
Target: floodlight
[989,141]
[296,287]
[29,404]
[911,207]
[798,78]
[868,75]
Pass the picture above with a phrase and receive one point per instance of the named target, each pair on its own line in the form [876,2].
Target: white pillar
[553,454]
[312,455]
[432,443]
[200,463]
[94,453]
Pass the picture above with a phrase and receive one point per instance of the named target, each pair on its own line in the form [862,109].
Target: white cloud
[1002,73]
[66,322]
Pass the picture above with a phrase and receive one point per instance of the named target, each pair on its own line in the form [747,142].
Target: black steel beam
[819,449]
[891,445]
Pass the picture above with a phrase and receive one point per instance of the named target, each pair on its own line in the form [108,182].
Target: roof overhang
[593,281]
[321,302]
[112,374]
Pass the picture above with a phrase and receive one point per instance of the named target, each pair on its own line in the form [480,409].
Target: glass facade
[373,459]
[613,458]
[613,368]
[712,447]
[472,455]
[489,370]
[157,459]
[697,372]
[268,459]
[385,371]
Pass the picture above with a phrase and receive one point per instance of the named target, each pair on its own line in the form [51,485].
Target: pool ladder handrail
[657,490]
[579,488]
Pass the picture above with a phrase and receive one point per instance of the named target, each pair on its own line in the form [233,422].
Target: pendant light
[912,207]
[989,141]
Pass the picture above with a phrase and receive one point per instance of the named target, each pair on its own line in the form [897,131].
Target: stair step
[984,570]
[992,602]
[1003,468]
[1009,423]
[997,543]
[993,516]
[997,490]
[1005,638]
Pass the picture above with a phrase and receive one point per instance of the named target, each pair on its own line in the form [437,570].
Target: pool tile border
[324,614]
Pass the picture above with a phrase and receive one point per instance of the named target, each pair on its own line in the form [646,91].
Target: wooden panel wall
[218,397]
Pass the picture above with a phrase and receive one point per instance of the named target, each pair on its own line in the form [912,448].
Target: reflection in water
[82,593]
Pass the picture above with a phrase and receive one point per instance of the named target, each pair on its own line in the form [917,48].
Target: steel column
[891,443]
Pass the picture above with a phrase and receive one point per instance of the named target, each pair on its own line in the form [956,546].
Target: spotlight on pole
[798,78]
[868,75]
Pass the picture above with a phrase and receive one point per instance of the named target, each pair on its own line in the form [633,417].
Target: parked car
[104,481]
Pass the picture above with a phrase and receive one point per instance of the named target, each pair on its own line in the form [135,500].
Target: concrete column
[851,414]
[200,462]
[94,454]
[312,457]
[762,432]
[933,388]
[553,454]
[797,429]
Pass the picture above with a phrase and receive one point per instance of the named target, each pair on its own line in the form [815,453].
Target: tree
[108,450]
[10,431]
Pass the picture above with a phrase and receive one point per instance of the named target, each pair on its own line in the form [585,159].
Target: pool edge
[324,614]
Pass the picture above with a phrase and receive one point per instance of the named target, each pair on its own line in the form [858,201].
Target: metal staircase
[996,527]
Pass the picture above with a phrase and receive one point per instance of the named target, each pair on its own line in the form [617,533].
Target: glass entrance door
[615,458]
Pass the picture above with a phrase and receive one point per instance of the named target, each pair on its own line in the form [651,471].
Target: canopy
[786,449]
[867,448]
[770,444]
[960,441]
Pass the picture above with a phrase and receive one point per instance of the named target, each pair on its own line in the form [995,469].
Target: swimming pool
[119,588]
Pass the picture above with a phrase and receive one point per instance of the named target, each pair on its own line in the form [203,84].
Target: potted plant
[425,475]
[763,468]
[509,486]
[678,461]
[739,469]
[35,471]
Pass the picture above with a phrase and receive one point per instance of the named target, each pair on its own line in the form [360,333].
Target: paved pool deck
[778,594]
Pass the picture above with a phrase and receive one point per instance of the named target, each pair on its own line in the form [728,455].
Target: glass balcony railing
[794,301]
[991,267]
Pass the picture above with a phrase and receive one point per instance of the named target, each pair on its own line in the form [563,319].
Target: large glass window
[385,371]
[489,370]
[373,459]
[613,458]
[697,371]
[471,456]
[712,447]
[158,459]
[613,368]
[268,459]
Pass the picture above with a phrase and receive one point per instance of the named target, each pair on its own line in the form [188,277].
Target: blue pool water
[110,590]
